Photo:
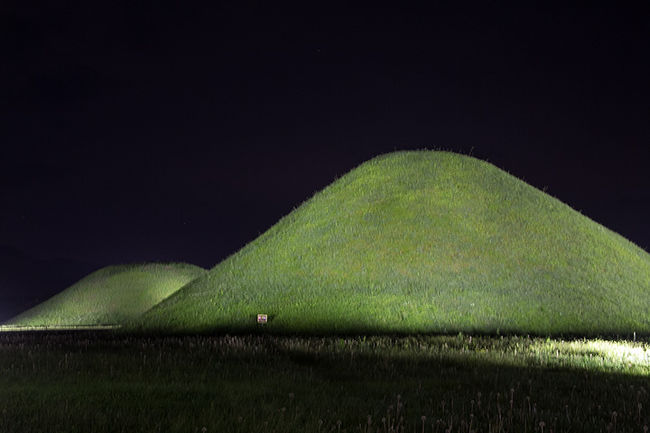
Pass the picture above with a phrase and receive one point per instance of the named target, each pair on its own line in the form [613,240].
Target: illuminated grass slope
[110,295]
[424,242]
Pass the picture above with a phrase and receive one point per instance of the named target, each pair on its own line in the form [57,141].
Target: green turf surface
[109,382]
[110,295]
[424,242]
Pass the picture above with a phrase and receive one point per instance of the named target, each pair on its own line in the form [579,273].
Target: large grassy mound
[424,242]
[111,295]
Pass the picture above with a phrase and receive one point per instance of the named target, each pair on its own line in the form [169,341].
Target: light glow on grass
[596,354]
[18,328]
[618,351]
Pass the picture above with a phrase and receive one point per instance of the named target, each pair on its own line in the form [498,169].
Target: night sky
[140,132]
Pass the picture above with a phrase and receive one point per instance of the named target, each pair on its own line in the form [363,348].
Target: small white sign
[262,318]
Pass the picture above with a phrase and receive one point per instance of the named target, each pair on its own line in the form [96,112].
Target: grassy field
[111,382]
[400,299]
[424,242]
[110,295]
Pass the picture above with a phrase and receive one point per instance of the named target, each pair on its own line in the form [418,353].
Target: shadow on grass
[218,379]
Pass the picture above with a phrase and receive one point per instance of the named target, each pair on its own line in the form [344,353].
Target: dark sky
[138,132]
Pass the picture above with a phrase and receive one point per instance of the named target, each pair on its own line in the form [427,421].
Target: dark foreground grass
[107,382]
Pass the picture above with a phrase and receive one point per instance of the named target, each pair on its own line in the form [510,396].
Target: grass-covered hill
[111,295]
[424,242]
[21,287]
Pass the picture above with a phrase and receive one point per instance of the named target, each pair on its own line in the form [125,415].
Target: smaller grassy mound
[111,295]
